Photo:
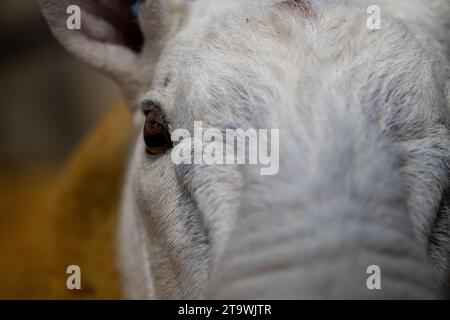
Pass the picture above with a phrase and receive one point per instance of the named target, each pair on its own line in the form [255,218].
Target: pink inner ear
[119,14]
[303,5]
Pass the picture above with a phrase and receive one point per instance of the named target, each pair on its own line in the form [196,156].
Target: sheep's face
[318,76]
[362,118]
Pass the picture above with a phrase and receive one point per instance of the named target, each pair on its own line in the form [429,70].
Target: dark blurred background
[49,100]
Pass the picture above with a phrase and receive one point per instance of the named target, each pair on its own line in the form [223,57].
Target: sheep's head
[362,118]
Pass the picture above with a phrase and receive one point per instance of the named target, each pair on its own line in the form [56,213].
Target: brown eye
[156,136]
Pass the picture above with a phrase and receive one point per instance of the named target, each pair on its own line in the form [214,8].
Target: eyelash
[156,133]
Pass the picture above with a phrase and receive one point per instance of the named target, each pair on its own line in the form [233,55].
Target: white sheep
[364,151]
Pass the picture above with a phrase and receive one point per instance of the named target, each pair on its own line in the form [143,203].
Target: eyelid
[150,105]
[154,107]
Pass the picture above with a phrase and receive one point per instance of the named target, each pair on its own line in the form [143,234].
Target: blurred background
[48,98]
[50,102]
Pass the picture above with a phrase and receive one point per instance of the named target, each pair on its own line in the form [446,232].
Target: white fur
[365,147]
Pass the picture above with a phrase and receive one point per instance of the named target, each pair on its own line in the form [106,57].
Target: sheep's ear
[103,33]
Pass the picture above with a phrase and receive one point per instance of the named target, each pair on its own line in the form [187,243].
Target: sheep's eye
[156,136]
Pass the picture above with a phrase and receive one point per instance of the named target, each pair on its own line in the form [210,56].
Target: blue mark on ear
[136,6]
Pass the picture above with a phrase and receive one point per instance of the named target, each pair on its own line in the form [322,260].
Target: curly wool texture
[51,221]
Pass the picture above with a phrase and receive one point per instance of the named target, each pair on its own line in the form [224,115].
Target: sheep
[363,116]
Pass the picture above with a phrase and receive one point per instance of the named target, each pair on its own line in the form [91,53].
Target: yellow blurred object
[50,220]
